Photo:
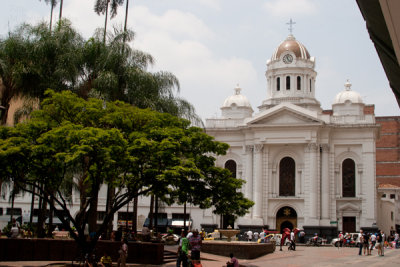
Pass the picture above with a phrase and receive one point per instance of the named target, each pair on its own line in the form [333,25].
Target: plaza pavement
[303,256]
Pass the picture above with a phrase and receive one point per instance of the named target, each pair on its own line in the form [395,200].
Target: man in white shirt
[249,235]
[292,241]
[256,236]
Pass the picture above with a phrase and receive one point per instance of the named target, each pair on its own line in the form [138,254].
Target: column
[266,187]
[249,172]
[249,175]
[313,183]
[257,185]
[325,196]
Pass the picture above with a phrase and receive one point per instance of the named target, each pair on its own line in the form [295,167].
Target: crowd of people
[369,241]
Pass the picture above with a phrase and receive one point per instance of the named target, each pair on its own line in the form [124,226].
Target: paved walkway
[303,256]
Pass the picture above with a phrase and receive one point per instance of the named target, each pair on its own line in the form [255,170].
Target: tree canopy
[76,143]
[34,58]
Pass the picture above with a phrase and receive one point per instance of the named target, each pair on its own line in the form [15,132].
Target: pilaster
[258,183]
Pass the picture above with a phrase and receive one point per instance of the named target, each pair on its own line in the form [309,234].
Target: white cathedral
[304,167]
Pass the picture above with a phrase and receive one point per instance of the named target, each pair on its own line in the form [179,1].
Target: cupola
[348,102]
[236,105]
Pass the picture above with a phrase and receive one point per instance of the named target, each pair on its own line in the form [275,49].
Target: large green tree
[135,151]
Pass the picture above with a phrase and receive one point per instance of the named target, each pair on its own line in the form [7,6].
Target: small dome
[291,44]
[348,95]
[237,100]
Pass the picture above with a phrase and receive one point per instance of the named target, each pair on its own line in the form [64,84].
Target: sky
[214,45]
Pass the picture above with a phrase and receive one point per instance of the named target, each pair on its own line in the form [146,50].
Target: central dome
[291,44]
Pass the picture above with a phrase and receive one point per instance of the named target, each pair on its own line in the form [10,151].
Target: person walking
[195,244]
[365,238]
[123,254]
[378,243]
[361,243]
[292,241]
[383,243]
[341,239]
[183,250]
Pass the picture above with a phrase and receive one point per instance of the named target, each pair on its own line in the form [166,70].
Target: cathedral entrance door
[349,224]
[286,217]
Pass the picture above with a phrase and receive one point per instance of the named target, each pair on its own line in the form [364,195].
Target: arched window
[231,166]
[310,86]
[278,84]
[287,174]
[349,178]
[298,83]
[287,82]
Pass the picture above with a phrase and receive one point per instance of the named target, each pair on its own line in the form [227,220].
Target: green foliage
[35,58]
[90,143]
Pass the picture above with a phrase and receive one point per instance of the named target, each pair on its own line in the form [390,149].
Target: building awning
[382,22]
[55,220]
[180,223]
[26,219]
[160,222]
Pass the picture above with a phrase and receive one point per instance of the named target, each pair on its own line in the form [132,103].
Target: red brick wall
[369,109]
[388,150]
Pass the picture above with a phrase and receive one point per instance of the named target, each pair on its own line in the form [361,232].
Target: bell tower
[291,76]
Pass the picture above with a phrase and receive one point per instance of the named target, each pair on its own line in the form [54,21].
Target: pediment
[286,115]
[348,207]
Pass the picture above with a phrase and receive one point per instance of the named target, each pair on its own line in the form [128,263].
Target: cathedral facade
[304,167]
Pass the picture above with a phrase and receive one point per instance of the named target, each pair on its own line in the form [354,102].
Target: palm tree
[61,7]
[52,3]
[126,15]
[15,68]
[101,7]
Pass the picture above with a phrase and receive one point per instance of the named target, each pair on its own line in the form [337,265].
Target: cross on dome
[290,23]
[347,85]
[237,89]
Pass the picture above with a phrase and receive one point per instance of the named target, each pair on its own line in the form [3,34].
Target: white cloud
[215,4]
[291,7]
[174,22]
[177,41]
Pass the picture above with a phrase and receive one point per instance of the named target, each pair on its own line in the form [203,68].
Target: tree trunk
[109,201]
[61,8]
[184,218]
[134,219]
[32,206]
[50,226]
[42,217]
[127,218]
[92,212]
[105,24]
[156,217]
[151,212]
[12,204]
[51,13]
[126,17]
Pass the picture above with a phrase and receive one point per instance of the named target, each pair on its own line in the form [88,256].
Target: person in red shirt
[233,261]
[195,243]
